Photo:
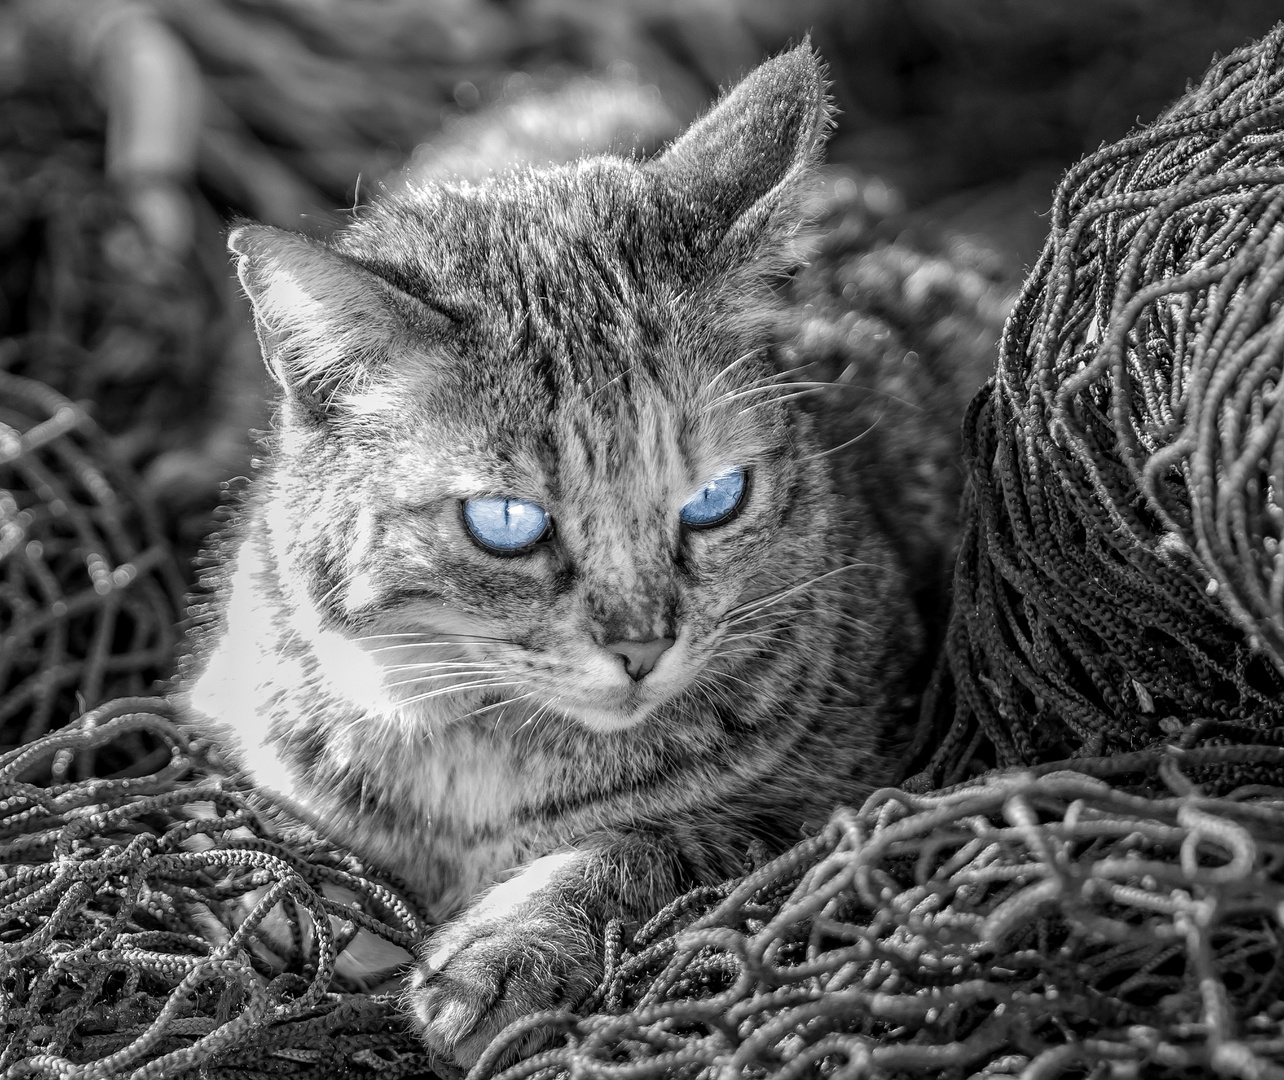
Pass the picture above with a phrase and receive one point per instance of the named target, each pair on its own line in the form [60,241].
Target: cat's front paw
[481,972]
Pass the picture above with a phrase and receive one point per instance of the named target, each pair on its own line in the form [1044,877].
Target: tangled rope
[1117,578]
[1037,923]
[90,593]
[132,925]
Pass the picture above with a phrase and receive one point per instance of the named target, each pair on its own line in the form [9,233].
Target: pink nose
[640,657]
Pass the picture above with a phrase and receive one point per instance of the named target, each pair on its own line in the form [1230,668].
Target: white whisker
[751,354]
[445,691]
[761,602]
[449,666]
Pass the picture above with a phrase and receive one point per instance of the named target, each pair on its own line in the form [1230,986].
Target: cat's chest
[447,782]
[452,811]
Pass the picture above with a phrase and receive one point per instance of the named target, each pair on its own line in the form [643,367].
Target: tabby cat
[544,599]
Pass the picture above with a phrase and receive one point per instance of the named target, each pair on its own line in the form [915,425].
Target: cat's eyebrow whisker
[611,382]
[742,358]
[790,389]
[850,442]
[776,381]
[782,385]
[746,409]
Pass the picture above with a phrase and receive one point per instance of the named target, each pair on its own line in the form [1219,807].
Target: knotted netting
[90,591]
[132,911]
[1037,923]
[1120,573]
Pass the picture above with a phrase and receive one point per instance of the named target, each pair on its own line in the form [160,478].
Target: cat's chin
[607,720]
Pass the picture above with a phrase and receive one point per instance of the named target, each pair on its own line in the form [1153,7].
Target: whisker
[789,389]
[460,667]
[733,644]
[761,602]
[416,680]
[419,637]
[776,614]
[611,382]
[491,705]
[733,678]
[733,365]
[849,442]
[443,691]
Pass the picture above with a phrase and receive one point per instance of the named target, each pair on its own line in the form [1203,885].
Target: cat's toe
[478,976]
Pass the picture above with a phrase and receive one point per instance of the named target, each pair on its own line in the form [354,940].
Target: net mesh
[1117,578]
[133,924]
[90,592]
[1036,923]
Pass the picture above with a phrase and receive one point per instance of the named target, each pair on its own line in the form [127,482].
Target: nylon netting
[1120,573]
[130,919]
[1038,922]
[1117,914]
[90,592]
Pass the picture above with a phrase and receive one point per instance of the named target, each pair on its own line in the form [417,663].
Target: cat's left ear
[743,166]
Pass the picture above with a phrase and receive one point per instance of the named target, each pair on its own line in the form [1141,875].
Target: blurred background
[132,131]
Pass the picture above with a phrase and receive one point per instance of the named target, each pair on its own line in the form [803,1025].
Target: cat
[544,599]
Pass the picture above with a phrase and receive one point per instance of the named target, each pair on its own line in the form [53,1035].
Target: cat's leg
[530,943]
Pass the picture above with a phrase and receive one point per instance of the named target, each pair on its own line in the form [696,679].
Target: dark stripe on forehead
[545,371]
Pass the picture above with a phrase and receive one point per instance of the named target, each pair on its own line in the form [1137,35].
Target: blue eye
[717,501]
[505,525]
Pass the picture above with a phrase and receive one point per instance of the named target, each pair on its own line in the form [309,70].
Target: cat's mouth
[607,718]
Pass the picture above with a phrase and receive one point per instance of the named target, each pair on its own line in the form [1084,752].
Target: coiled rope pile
[1119,919]
[90,592]
[129,915]
[1120,572]
[1032,925]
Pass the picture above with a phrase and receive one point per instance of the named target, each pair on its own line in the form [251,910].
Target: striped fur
[599,338]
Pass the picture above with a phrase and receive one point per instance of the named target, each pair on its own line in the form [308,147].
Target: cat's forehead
[634,435]
[569,287]
[585,350]
[569,244]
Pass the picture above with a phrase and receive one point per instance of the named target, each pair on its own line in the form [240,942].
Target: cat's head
[532,443]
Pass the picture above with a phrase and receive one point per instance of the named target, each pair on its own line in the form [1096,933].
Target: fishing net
[1024,924]
[1039,922]
[90,592]
[1116,913]
[132,917]
[1119,577]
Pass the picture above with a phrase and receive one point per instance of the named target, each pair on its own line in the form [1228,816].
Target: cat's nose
[639,657]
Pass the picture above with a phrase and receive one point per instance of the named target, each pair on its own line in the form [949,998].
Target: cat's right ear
[324,322]
[743,166]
